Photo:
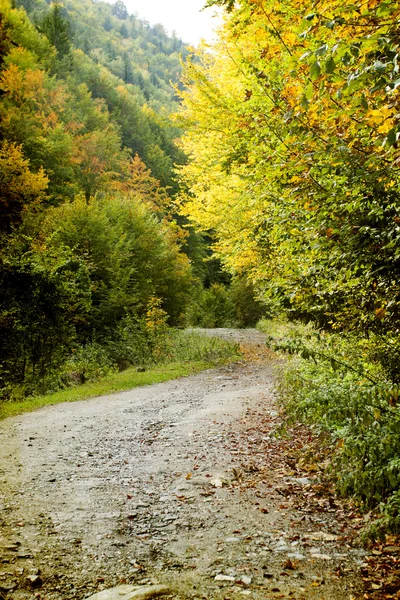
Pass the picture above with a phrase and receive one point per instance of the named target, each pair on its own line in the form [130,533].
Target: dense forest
[88,249]
[113,73]
[94,259]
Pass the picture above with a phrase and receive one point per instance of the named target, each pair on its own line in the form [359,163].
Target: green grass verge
[117,382]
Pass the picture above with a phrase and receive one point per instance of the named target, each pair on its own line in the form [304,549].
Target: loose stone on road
[184,484]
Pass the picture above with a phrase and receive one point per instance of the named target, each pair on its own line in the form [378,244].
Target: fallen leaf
[290,565]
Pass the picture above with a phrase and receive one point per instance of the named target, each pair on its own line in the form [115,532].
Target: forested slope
[131,49]
[90,257]
[126,75]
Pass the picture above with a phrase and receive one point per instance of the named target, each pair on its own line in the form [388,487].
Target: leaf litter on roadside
[296,460]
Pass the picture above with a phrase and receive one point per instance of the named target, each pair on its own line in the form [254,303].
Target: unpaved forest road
[124,488]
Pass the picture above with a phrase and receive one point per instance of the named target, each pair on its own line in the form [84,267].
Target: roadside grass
[116,382]
[281,328]
[187,354]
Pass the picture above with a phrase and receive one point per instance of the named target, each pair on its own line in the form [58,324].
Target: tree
[28,5]
[34,113]
[99,160]
[128,71]
[4,41]
[57,29]
[20,188]
[130,254]
[107,23]
[124,31]
[293,132]
[142,185]
[119,10]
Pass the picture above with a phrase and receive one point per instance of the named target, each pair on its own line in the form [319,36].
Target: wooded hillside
[88,247]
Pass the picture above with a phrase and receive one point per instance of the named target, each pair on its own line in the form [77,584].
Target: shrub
[211,307]
[225,306]
[336,383]
[88,363]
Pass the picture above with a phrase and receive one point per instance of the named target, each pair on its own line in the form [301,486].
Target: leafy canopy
[293,126]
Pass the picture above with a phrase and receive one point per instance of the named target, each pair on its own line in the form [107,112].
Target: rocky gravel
[184,483]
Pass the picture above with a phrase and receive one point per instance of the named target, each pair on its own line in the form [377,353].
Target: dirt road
[182,483]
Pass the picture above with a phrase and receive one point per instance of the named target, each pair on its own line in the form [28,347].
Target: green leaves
[362,418]
[384,9]
[310,16]
[364,102]
[391,137]
[311,159]
[322,50]
[330,65]
[315,71]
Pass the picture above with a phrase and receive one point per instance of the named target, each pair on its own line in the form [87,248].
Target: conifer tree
[57,29]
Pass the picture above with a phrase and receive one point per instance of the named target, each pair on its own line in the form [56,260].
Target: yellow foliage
[379,115]
[268,108]
[156,317]
[20,187]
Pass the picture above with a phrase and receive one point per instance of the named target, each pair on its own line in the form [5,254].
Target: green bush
[336,383]
[44,299]
[183,346]
[225,306]
[88,363]
[247,309]
[211,307]
[132,257]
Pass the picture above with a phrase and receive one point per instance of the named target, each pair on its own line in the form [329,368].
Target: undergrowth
[150,350]
[341,385]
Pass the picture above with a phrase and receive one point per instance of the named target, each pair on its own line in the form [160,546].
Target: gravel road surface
[182,483]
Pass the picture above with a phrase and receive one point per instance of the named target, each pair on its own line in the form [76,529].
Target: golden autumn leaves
[292,129]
